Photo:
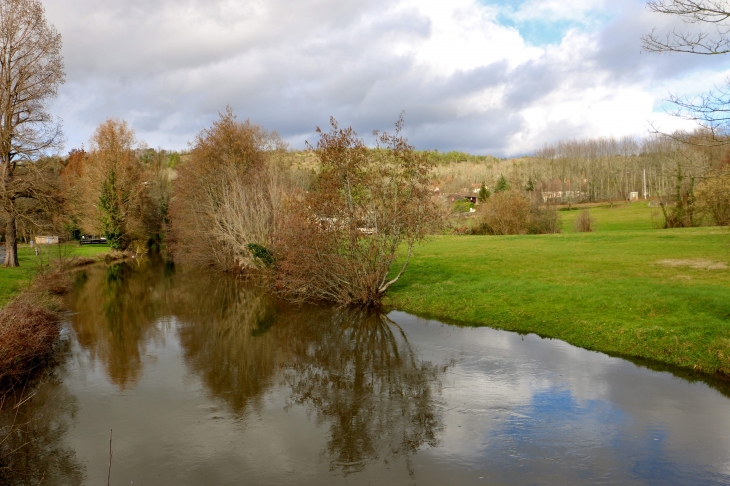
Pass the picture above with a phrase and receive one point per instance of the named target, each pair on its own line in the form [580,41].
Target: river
[205,380]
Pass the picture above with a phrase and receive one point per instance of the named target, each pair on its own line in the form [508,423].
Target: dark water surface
[207,381]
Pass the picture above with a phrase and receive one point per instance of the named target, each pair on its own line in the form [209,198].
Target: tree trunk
[11,244]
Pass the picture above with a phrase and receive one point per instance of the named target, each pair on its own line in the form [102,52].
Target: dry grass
[28,328]
[696,263]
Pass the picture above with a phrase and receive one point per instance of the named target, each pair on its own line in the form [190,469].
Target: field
[12,280]
[621,217]
[626,289]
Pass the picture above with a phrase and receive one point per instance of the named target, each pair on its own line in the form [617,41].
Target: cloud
[464,72]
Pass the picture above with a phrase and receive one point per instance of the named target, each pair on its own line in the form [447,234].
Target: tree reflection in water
[33,428]
[354,371]
[362,378]
[118,311]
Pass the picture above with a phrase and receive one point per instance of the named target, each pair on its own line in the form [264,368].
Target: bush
[510,213]
[463,206]
[28,328]
[366,208]
[713,197]
[584,222]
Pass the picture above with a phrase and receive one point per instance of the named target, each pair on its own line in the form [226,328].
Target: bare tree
[31,70]
[706,13]
[707,33]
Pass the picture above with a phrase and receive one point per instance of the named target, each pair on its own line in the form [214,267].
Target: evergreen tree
[112,217]
[502,184]
[483,194]
[530,185]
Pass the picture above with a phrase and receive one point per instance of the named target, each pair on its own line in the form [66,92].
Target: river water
[205,380]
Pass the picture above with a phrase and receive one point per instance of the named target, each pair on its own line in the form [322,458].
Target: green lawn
[621,217]
[12,280]
[607,290]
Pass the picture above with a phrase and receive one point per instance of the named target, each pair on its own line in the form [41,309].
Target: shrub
[584,222]
[28,327]
[463,206]
[713,197]
[510,213]
[366,208]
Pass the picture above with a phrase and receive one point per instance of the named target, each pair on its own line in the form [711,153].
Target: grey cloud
[620,51]
[168,67]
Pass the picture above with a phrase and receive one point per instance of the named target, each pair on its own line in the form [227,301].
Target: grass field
[12,280]
[625,289]
[621,217]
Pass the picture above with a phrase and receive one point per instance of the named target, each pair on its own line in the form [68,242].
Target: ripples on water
[206,380]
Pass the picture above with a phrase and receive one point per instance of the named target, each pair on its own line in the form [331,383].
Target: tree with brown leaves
[226,197]
[368,208]
[108,189]
[31,70]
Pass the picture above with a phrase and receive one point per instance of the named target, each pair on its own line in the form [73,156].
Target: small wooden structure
[92,240]
[633,196]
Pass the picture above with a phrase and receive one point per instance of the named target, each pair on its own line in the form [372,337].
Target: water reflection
[222,335]
[354,372]
[206,380]
[349,368]
[117,312]
[34,424]
[362,378]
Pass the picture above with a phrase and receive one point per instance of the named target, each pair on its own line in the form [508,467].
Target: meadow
[626,289]
[13,280]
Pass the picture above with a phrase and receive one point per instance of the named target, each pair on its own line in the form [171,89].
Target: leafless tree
[710,39]
[31,70]
[707,33]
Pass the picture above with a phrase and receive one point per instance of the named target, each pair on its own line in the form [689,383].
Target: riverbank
[14,280]
[31,306]
[661,295]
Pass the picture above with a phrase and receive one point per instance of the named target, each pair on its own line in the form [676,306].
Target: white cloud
[464,80]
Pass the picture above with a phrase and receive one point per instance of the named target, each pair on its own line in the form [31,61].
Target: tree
[226,197]
[708,34]
[502,184]
[713,197]
[483,194]
[530,187]
[367,207]
[110,192]
[31,70]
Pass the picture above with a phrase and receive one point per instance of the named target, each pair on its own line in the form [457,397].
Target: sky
[482,76]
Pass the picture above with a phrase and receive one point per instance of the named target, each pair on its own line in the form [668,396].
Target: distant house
[562,195]
[633,196]
[46,240]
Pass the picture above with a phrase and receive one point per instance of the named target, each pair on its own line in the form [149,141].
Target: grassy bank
[662,295]
[30,306]
[13,280]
